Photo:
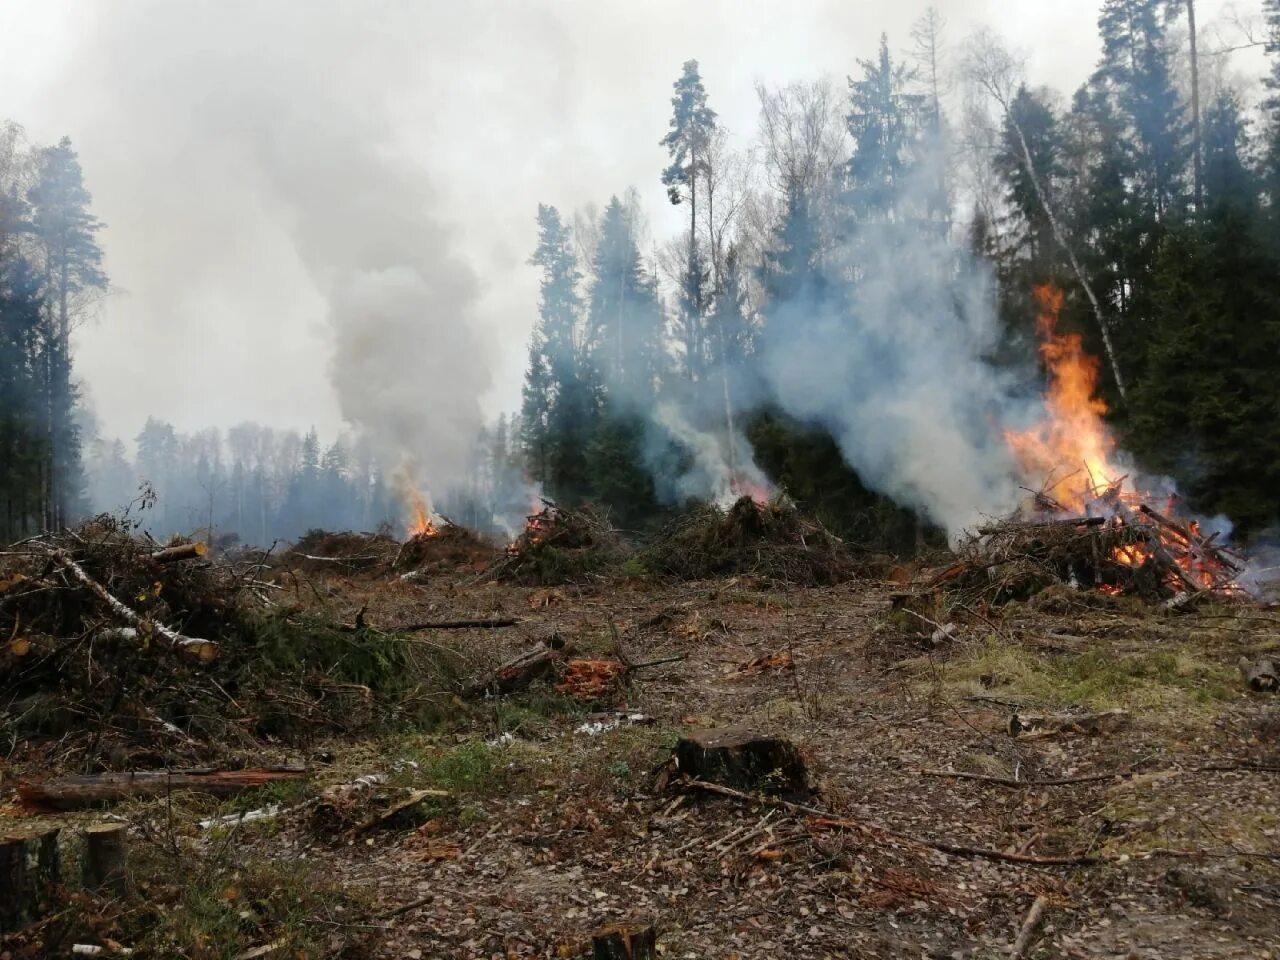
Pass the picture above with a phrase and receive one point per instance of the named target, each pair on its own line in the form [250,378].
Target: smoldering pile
[560,545]
[771,540]
[122,653]
[449,546]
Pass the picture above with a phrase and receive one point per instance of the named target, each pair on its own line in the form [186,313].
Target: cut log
[739,757]
[13,881]
[519,672]
[76,792]
[106,854]
[183,551]
[625,943]
[1261,676]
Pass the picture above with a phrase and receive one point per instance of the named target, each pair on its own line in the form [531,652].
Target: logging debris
[560,545]
[772,540]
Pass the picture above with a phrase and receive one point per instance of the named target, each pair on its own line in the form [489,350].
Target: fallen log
[183,551]
[86,790]
[520,672]
[204,650]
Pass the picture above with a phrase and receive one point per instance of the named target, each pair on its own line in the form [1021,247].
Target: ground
[559,820]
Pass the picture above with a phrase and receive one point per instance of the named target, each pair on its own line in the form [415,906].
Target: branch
[204,650]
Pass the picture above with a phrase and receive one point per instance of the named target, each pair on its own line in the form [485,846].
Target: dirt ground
[558,822]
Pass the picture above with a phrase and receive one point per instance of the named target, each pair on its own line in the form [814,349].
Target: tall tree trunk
[1196,128]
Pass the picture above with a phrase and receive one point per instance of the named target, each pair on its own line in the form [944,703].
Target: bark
[520,672]
[1030,927]
[184,551]
[738,757]
[106,854]
[1197,135]
[625,943]
[204,650]
[1261,676]
[13,880]
[86,790]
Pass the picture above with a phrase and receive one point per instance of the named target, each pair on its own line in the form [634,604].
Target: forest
[854,276]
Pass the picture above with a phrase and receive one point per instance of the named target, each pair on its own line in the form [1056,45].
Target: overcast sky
[496,104]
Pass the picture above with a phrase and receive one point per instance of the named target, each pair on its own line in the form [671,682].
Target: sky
[192,117]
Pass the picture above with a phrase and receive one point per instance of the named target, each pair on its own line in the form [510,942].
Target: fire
[1072,443]
[741,486]
[1073,447]
[420,524]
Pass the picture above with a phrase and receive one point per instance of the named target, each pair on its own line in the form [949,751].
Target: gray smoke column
[270,147]
[894,366]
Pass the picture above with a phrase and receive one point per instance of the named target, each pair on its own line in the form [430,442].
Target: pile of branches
[774,541]
[118,651]
[320,551]
[559,545]
[1145,555]
[448,547]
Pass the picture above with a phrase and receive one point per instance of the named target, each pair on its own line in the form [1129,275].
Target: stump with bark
[742,758]
[106,851]
[625,943]
[30,866]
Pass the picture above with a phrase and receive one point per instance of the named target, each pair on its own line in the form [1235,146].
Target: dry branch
[204,650]
[491,623]
[1030,927]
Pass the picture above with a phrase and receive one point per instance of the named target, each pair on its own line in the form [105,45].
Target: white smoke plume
[271,132]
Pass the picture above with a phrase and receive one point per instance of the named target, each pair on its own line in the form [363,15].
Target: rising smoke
[270,131]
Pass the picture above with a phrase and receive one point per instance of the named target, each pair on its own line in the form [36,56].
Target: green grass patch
[1099,679]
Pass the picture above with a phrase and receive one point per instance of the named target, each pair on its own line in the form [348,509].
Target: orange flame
[1072,442]
[420,524]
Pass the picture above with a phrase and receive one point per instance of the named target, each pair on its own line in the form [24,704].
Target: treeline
[1151,195]
[254,484]
[50,274]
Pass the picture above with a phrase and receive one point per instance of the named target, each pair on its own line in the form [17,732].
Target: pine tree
[72,261]
[693,124]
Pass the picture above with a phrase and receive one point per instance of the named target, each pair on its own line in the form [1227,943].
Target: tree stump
[620,942]
[13,881]
[106,854]
[1261,676]
[741,758]
[29,867]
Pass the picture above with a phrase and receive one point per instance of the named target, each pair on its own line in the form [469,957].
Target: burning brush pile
[1093,527]
[771,540]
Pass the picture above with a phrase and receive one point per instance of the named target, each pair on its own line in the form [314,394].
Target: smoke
[271,132]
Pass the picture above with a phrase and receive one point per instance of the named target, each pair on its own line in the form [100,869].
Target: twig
[1026,784]
[868,827]
[660,662]
[491,623]
[1030,926]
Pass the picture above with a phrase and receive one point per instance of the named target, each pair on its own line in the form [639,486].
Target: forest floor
[556,823]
